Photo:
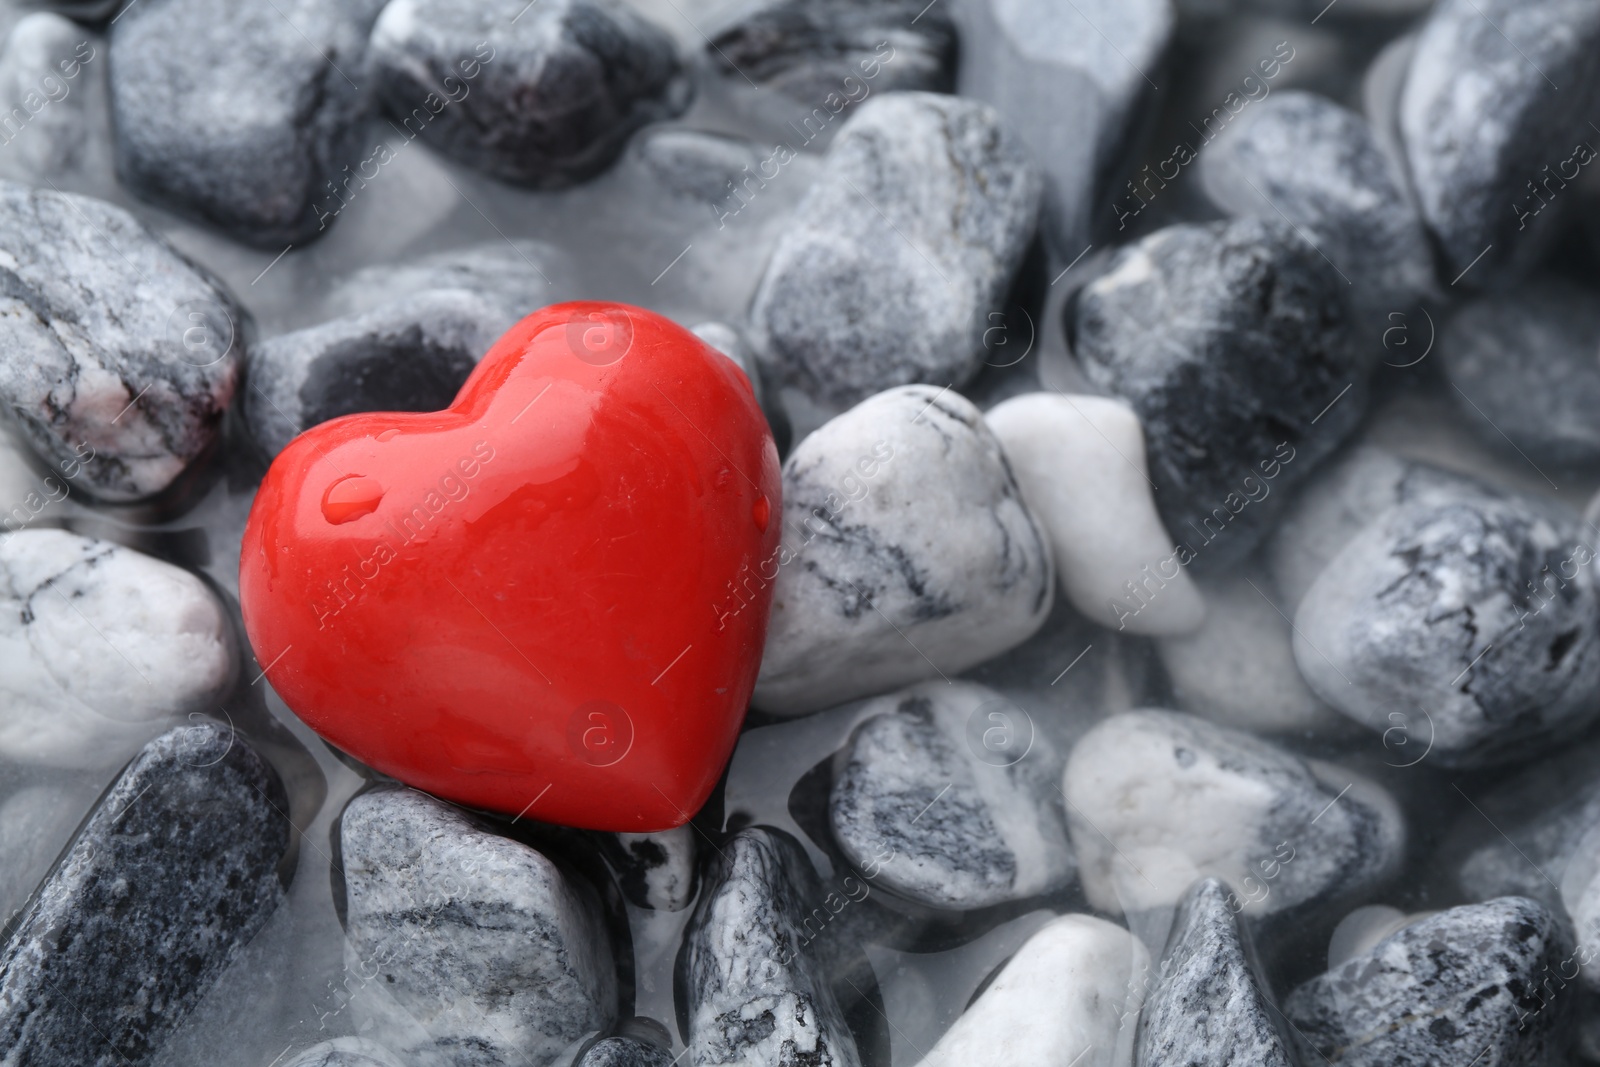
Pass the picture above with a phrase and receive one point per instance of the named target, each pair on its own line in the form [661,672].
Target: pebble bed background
[1335,259]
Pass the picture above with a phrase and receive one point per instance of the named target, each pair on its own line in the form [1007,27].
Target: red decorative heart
[520,603]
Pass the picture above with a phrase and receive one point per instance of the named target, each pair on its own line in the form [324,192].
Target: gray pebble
[625,1052]
[520,276]
[345,1052]
[899,251]
[543,95]
[1466,984]
[1209,1003]
[1232,341]
[1482,116]
[1525,364]
[173,873]
[52,90]
[121,355]
[697,165]
[806,49]
[1303,158]
[1465,613]
[655,871]
[411,355]
[754,993]
[907,551]
[487,945]
[930,812]
[1068,78]
[249,125]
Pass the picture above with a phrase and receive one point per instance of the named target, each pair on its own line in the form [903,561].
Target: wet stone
[173,873]
[656,871]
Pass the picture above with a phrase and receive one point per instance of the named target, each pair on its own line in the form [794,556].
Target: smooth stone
[1300,157]
[481,941]
[1239,668]
[1525,364]
[1080,461]
[697,165]
[935,816]
[625,1052]
[542,96]
[121,364]
[907,551]
[1159,799]
[249,124]
[754,992]
[821,51]
[1463,984]
[1480,116]
[346,1052]
[1434,609]
[51,101]
[520,276]
[1069,79]
[410,355]
[1342,499]
[99,646]
[1360,931]
[1234,345]
[171,876]
[899,251]
[655,871]
[1070,995]
[1209,1003]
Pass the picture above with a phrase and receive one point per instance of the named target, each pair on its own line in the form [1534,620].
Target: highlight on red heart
[512,603]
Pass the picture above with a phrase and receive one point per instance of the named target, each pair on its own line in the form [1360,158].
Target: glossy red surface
[523,603]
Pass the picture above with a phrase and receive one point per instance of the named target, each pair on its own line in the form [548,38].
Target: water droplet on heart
[762,513]
[351,497]
[388,435]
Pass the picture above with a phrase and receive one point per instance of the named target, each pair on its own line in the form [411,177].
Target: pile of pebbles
[1187,644]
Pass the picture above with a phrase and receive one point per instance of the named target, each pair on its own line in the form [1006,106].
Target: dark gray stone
[481,941]
[411,355]
[241,113]
[1471,614]
[931,813]
[806,49]
[655,871]
[1301,157]
[172,874]
[345,1052]
[120,354]
[1497,90]
[1470,983]
[520,276]
[541,95]
[899,251]
[908,551]
[1525,364]
[1232,341]
[1209,1003]
[754,993]
[625,1052]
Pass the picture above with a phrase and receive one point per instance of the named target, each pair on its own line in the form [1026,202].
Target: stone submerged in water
[907,551]
[1474,614]
[1469,983]
[923,807]
[70,700]
[484,943]
[173,873]
[1525,373]
[754,992]
[519,276]
[1209,1003]
[250,124]
[410,355]
[1493,114]
[625,1052]
[655,871]
[542,95]
[118,366]
[902,247]
[823,52]
[346,1052]
[51,86]
[1232,342]
[1320,166]
[1159,799]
